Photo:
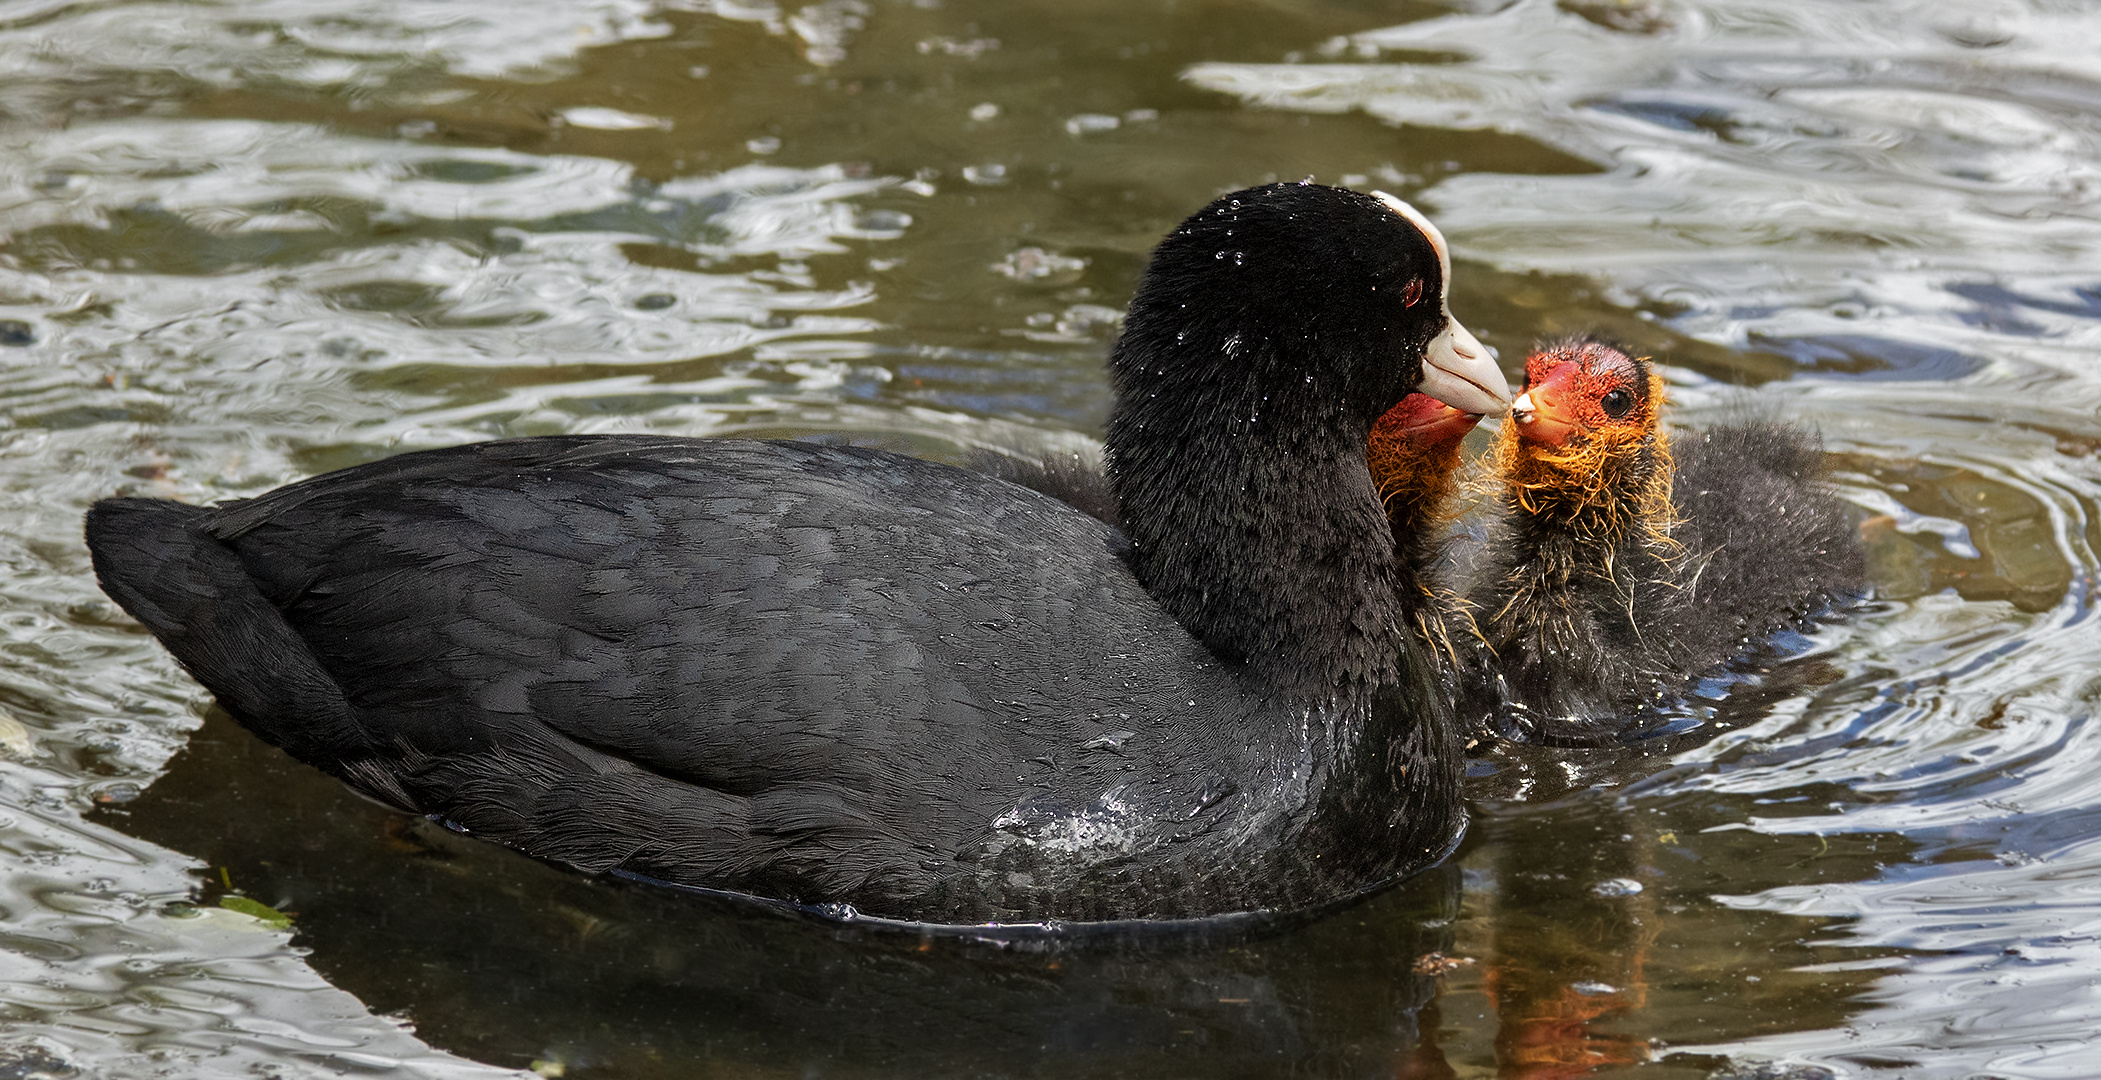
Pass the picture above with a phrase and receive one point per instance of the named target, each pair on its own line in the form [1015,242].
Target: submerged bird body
[1623,564]
[835,676]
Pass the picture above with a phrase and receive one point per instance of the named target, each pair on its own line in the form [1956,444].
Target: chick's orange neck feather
[1413,458]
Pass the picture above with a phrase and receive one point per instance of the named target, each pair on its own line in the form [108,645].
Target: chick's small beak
[1458,371]
[1540,412]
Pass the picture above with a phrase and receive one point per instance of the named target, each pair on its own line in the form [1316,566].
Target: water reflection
[243,243]
[510,961]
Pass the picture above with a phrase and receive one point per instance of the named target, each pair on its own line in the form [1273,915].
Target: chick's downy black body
[1626,561]
[840,676]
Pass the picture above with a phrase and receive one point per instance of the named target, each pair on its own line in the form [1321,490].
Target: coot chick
[857,681]
[1413,456]
[1623,565]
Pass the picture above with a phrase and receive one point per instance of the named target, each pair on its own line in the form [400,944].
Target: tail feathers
[156,560]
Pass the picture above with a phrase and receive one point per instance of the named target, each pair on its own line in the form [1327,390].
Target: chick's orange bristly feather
[1413,454]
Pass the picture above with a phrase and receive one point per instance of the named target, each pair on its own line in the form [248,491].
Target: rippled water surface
[241,243]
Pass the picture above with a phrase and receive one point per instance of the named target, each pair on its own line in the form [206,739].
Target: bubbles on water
[1091,124]
[826,28]
[1075,323]
[116,794]
[603,119]
[968,49]
[1034,264]
[881,224]
[1614,887]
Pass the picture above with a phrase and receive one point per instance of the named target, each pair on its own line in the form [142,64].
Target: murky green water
[241,243]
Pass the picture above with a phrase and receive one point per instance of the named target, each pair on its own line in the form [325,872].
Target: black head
[1295,298]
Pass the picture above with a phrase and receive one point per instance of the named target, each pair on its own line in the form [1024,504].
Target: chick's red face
[1575,391]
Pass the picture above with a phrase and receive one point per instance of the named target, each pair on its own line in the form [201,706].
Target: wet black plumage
[844,677]
[1624,561]
[1072,478]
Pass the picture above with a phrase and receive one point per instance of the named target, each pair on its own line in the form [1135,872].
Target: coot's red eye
[1616,403]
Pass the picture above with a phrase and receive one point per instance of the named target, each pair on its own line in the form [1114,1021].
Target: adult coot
[1619,569]
[858,681]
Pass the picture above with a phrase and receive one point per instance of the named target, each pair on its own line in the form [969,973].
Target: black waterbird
[863,682]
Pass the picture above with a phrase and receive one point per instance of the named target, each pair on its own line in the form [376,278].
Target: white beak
[1458,371]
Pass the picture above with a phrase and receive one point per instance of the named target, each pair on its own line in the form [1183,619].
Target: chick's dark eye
[1616,403]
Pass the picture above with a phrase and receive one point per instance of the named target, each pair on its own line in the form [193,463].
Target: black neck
[1252,516]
